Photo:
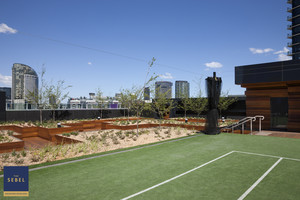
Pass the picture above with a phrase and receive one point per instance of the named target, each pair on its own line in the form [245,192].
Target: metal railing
[245,120]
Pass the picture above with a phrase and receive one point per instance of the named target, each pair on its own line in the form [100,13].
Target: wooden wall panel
[294,108]
[258,101]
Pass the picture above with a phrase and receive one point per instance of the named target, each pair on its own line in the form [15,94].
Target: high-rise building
[24,80]
[163,87]
[295,28]
[182,89]
[146,93]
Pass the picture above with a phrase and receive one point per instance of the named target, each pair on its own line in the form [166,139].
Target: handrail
[260,117]
[247,119]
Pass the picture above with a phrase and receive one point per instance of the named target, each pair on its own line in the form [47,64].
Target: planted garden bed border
[51,134]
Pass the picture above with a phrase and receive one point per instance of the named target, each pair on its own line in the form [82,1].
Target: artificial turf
[120,175]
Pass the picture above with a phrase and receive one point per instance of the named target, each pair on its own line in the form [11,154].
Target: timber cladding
[294,108]
[258,101]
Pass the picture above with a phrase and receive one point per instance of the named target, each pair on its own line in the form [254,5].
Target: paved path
[279,134]
[35,142]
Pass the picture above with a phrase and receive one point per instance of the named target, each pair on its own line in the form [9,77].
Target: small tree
[199,103]
[100,100]
[136,95]
[40,97]
[162,105]
[225,101]
[55,93]
[186,104]
[125,100]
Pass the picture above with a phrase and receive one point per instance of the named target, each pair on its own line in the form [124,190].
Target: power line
[84,47]
[134,58]
[106,52]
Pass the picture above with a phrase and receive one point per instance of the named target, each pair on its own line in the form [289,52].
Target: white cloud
[282,54]
[89,63]
[285,50]
[283,57]
[6,29]
[214,65]
[166,76]
[260,51]
[5,80]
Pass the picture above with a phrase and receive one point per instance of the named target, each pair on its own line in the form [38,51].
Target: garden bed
[92,142]
[94,136]
[8,141]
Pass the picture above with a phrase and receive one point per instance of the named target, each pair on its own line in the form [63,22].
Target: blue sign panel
[16,181]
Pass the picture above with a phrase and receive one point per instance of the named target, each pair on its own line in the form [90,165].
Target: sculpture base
[211,125]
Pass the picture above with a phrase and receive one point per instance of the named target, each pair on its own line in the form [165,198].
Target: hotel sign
[16,181]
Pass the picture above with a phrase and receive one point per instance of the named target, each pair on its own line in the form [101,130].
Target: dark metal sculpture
[213,89]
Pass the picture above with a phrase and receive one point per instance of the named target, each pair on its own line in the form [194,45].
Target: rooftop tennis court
[225,166]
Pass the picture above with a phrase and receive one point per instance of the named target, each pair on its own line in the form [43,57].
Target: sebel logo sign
[16,181]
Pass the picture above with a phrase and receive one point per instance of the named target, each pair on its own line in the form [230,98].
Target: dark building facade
[7,91]
[294,27]
[146,93]
[272,90]
[163,87]
[2,106]
[182,89]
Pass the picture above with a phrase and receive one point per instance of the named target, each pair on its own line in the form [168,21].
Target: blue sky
[107,43]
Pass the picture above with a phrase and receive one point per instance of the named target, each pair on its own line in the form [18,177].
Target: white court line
[258,154]
[171,179]
[259,180]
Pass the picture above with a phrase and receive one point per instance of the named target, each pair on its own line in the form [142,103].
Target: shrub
[42,155]
[55,153]
[64,151]
[14,153]
[80,148]
[156,132]
[115,140]
[66,134]
[120,135]
[19,161]
[5,156]
[129,133]
[10,133]
[178,130]
[23,153]
[47,148]
[35,158]
[91,138]
[74,133]
[94,146]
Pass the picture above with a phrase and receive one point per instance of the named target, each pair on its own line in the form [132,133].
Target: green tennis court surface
[225,166]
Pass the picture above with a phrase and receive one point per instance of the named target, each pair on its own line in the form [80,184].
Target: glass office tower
[182,89]
[162,87]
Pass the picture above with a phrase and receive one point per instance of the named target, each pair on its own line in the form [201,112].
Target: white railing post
[251,126]
[243,128]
